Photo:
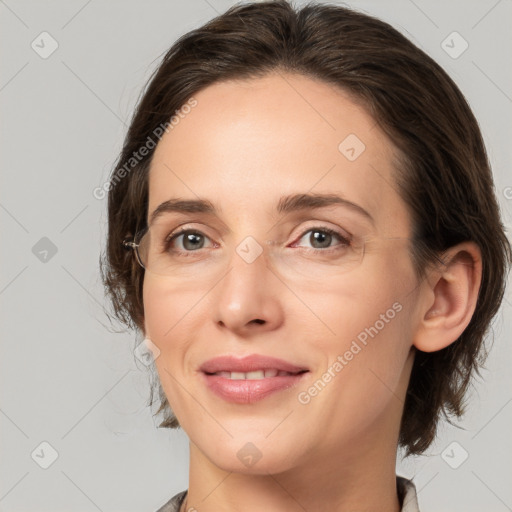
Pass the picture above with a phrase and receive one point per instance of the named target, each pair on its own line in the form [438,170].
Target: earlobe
[450,298]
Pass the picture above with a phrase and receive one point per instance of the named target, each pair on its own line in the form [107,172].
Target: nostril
[258,321]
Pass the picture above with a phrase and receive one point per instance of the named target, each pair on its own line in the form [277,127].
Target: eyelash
[345,241]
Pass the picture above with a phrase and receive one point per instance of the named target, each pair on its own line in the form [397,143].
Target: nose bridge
[246,292]
[250,250]
[248,264]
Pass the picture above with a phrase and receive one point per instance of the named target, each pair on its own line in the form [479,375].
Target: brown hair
[443,175]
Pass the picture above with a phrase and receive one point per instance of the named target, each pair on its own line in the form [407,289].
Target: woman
[302,225]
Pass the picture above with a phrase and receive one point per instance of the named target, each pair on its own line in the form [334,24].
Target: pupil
[191,238]
[320,236]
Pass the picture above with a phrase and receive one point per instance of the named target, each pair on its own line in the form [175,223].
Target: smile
[255,375]
[251,378]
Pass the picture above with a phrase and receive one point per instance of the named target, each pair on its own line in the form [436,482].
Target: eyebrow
[286,204]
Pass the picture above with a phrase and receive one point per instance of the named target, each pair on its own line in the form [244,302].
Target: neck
[357,480]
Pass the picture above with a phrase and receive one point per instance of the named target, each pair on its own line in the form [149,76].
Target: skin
[244,145]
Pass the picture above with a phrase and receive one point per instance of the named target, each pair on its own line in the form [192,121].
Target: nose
[248,299]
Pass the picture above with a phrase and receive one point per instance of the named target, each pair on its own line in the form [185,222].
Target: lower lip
[246,391]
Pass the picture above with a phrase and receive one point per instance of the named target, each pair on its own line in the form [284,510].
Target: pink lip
[248,364]
[248,391]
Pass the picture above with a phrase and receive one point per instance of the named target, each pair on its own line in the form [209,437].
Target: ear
[449,298]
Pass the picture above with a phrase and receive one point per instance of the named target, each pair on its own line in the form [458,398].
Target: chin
[273,464]
[258,457]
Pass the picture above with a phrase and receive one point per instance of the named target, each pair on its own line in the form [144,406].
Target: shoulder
[174,504]
[407,494]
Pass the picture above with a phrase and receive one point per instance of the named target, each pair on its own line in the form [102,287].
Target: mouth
[250,379]
[255,375]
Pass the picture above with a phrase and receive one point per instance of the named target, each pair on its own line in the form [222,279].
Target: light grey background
[68,381]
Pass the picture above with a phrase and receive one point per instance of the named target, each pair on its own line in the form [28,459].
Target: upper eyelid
[288,218]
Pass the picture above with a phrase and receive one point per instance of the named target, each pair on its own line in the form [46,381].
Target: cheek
[174,315]
[167,308]
[157,314]
[165,322]
[368,297]
[368,316]
[373,337]
[166,325]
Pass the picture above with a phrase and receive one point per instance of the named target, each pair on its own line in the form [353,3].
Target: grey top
[405,488]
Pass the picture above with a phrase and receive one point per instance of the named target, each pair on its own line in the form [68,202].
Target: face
[326,288]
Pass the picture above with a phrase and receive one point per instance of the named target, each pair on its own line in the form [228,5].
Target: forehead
[247,143]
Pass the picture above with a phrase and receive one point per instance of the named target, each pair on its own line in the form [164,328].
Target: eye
[322,237]
[192,240]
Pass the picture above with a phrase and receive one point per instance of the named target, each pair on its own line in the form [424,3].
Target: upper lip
[249,363]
